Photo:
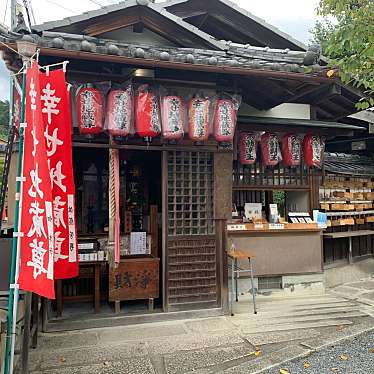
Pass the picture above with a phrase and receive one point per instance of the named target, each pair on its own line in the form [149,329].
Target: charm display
[291,149]
[247,148]
[314,147]
[270,149]
[172,117]
[90,111]
[198,119]
[147,113]
[120,111]
[224,120]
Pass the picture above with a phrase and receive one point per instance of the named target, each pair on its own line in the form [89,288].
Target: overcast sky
[296,17]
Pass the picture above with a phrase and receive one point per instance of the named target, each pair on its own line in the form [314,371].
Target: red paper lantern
[90,111]
[147,113]
[314,146]
[291,147]
[247,148]
[172,117]
[270,149]
[224,120]
[198,119]
[120,112]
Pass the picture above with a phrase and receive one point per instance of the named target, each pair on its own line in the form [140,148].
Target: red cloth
[36,265]
[57,134]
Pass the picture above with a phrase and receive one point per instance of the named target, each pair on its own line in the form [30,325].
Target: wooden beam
[115,24]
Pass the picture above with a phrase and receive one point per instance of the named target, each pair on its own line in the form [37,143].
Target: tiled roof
[349,164]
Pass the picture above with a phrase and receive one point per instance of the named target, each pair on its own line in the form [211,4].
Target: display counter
[279,249]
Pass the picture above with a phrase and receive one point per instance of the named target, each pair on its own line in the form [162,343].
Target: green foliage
[346,35]
[4,119]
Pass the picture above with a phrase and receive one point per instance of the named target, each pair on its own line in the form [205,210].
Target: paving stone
[293,326]
[333,337]
[189,361]
[140,332]
[92,355]
[128,366]
[209,325]
[349,292]
[284,336]
[67,340]
[262,363]
[192,342]
[365,285]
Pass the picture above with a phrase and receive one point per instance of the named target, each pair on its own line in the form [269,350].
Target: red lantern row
[313,146]
[153,117]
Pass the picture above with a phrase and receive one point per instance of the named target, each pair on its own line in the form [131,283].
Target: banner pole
[13,289]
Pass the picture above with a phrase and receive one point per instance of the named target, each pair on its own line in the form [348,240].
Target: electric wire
[61,6]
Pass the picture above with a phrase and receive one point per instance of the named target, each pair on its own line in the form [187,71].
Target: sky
[295,17]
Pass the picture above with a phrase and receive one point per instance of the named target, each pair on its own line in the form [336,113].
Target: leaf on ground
[306,365]
[372,350]
[106,363]
[340,328]
[258,352]
[344,357]
[62,359]
[335,370]
[284,371]
[330,73]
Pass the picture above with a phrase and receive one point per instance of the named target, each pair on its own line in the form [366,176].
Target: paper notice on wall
[138,243]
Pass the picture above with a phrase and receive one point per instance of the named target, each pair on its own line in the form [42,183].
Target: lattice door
[191,244]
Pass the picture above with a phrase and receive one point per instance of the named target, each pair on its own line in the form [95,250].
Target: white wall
[287,110]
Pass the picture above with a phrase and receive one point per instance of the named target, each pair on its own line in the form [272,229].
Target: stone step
[291,319]
[294,326]
[284,313]
[310,305]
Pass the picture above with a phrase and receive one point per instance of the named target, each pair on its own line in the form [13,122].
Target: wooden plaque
[134,279]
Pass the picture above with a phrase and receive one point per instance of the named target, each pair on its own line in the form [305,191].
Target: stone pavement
[283,329]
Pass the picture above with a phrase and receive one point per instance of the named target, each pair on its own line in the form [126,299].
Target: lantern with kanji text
[147,112]
[172,117]
[270,151]
[291,149]
[247,148]
[198,118]
[314,146]
[120,111]
[224,120]
[90,111]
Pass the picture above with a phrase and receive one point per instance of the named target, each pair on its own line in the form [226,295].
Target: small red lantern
[198,119]
[247,148]
[291,147]
[314,146]
[120,112]
[147,113]
[172,117]
[224,120]
[90,111]
[270,149]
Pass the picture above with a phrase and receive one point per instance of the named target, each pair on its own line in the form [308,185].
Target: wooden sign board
[134,279]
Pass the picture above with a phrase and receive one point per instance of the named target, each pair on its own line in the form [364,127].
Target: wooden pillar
[222,212]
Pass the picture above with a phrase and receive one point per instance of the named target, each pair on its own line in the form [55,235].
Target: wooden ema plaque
[134,279]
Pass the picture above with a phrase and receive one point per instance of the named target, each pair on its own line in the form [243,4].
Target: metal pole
[13,289]
[26,334]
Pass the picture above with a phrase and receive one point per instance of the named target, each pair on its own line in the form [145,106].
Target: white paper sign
[138,243]
[235,227]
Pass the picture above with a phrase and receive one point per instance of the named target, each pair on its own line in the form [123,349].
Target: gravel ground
[352,356]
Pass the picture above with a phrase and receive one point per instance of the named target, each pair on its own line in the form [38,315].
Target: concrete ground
[284,329]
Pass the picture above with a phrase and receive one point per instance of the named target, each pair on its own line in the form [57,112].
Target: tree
[4,118]
[346,35]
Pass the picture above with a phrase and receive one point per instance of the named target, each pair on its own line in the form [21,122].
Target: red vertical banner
[36,265]
[57,132]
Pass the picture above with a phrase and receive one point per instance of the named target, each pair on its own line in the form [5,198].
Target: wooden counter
[295,249]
